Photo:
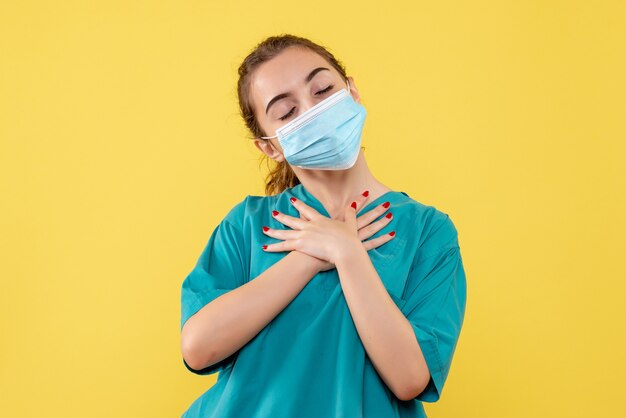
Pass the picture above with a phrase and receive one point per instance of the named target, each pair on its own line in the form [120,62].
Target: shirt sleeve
[434,303]
[220,268]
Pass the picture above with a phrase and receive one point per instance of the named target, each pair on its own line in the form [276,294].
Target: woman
[333,295]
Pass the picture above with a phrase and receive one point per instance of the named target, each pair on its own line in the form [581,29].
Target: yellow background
[122,147]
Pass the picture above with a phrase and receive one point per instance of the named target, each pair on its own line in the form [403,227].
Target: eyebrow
[283,95]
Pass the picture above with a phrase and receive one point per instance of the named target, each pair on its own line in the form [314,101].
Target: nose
[306,104]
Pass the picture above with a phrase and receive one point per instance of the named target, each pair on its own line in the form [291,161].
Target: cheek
[266,128]
[276,144]
[267,125]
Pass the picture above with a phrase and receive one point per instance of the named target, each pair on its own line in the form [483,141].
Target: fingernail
[386,205]
[392,233]
[389,215]
[293,199]
[265,228]
[353,205]
[274,212]
[265,247]
[366,193]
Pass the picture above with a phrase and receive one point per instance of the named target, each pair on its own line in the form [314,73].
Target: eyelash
[321,91]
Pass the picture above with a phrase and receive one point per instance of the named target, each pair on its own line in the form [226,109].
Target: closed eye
[326,89]
[319,92]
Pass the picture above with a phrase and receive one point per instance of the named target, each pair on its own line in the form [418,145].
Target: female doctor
[332,295]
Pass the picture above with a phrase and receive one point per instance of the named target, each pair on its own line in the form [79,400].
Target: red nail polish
[265,247]
[392,233]
[353,205]
[265,229]
[389,215]
[274,212]
[293,199]
[386,205]
[366,193]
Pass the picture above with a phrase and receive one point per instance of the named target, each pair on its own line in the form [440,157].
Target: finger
[291,221]
[371,229]
[378,241]
[361,199]
[357,204]
[349,216]
[279,246]
[369,216]
[282,234]
[305,209]
[303,217]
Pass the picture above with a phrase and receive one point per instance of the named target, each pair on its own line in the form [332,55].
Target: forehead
[285,72]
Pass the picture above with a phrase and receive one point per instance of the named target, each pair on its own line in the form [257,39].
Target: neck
[336,189]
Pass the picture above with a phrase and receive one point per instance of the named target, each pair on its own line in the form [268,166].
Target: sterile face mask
[325,137]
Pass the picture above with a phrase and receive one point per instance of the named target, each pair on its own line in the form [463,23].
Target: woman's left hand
[317,235]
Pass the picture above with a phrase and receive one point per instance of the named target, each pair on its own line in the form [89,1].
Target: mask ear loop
[276,136]
[268,137]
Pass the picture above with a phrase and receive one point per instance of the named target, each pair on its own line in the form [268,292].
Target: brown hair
[281,176]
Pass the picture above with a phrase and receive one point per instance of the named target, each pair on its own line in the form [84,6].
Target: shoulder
[433,228]
[248,209]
